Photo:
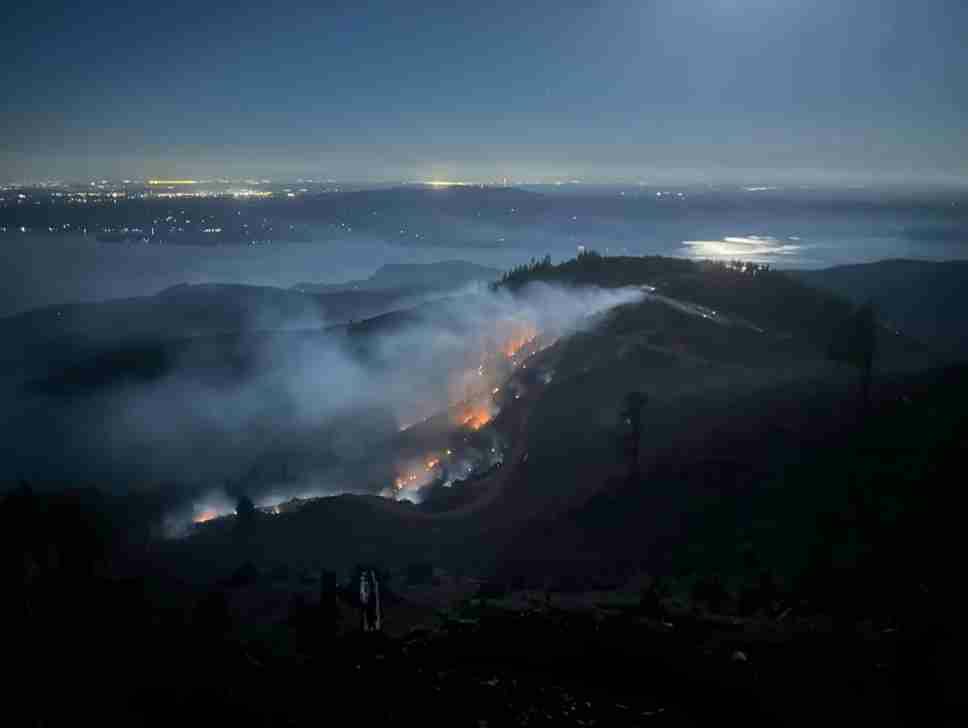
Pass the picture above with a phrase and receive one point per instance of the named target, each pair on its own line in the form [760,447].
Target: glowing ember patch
[521,334]
[408,480]
[474,415]
[412,477]
[209,514]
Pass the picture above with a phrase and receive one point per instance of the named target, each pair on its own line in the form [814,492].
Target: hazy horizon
[705,90]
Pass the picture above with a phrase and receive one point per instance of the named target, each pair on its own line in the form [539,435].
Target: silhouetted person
[371,617]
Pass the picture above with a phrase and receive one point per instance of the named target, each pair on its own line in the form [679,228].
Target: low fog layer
[41,270]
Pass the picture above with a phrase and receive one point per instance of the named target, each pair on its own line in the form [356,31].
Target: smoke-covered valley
[295,411]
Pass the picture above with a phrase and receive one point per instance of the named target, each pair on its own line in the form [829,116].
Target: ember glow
[474,395]
[413,476]
[208,514]
[409,480]
[473,391]
[474,415]
[522,333]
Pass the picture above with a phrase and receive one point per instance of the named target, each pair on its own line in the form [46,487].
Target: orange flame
[474,415]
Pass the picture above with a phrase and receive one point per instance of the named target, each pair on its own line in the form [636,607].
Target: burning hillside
[440,377]
[477,394]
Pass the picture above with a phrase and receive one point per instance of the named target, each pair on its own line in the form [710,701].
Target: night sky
[617,90]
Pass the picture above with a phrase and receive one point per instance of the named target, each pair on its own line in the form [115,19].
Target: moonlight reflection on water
[753,248]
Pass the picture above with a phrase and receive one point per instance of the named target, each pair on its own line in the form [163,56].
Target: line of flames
[476,406]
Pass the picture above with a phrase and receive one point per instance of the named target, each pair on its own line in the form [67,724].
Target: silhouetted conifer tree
[632,421]
[246,516]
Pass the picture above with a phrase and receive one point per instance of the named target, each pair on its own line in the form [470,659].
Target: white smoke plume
[299,413]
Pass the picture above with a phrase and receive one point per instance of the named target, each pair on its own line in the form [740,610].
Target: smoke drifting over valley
[291,413]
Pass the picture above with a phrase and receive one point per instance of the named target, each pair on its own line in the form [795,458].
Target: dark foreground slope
[825,592]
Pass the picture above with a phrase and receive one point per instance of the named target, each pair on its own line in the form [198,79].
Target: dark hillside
[924,299]
[770,299]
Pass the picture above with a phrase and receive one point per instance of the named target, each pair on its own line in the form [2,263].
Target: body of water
[42,270]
